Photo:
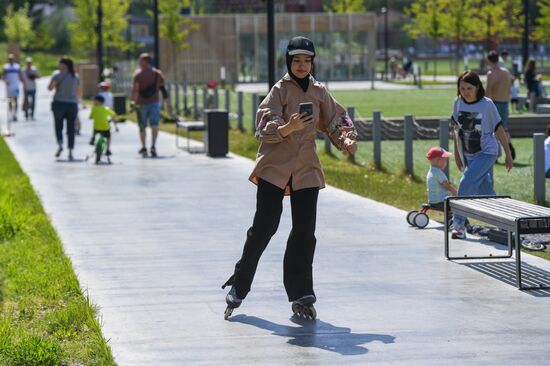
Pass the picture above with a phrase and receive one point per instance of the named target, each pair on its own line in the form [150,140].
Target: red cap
[437,152]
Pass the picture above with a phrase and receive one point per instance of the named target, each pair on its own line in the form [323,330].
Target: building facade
[345,45]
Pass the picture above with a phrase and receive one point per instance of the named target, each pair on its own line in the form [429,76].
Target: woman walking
[65,102]
[287,164]
[479,126]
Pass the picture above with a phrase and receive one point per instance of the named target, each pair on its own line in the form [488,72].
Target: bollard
[195,102]
[254,111]
[177,98]
[377,138]
[444,140]
[240,110]
[372,77]
[539,175]
[216,98]
[408,132]
[419,77]
[227,99]
[351,114]
[328,146]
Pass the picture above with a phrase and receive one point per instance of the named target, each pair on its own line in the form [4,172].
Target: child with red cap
[439,186]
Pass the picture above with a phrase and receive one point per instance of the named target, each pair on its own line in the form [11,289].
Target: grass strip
[46,318]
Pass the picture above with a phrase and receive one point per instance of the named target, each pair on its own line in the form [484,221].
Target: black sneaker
[153,152]
[108,153]
[143,151]
[58,152]
[92,141]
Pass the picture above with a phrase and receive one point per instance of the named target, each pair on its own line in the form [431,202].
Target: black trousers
[300,248]
[65,111]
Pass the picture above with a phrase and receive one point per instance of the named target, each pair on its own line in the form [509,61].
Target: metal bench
[189,126]
[516,217]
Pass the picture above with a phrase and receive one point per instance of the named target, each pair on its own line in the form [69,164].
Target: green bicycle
[100,149]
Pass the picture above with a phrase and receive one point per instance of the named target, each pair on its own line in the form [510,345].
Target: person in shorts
[148,82]
[438,184]
[11,74]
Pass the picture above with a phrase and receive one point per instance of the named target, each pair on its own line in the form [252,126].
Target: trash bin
[119,105]
[216,125]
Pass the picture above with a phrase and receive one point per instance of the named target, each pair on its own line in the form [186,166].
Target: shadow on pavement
[318,334]
[506,272]
[74,161]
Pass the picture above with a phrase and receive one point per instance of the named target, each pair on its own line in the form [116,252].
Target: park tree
[542,31]
[175,27]
[427,21]
[497,20]
[458,21]
[18,26]
[344,6]
[83,27]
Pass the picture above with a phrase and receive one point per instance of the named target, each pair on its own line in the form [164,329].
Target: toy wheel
[410,217]
[421,220]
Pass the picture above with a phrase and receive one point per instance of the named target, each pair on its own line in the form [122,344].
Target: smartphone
[306,108]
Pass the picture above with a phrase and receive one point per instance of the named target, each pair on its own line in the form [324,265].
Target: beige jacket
[295,156]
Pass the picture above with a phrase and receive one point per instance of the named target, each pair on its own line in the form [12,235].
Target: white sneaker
[458,233]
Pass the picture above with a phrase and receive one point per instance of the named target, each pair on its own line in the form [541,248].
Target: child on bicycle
[102,116]
[439,186]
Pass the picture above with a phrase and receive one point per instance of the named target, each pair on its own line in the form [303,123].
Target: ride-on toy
[420,219]
[99,149]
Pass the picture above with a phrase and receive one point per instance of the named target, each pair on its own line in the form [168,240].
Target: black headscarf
[297,46]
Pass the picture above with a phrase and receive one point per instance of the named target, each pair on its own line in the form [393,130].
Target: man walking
[499,81]
[29,76]
[147,83]
[12,76]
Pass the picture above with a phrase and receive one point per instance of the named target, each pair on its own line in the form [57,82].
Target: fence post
[254,110]
[351,114]
[195,102]
[419,77]
[377,138]
[539,175]
[240,110]
[408,132]
[184,91]
[177,98]
[204,99]
[372,77]
[444,139]
[227,101]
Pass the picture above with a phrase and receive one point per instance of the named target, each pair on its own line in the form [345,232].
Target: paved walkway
[153,240]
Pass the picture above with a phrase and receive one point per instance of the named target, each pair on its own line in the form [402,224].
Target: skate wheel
[228,312]
[410,217]
[421,220]
[311,313]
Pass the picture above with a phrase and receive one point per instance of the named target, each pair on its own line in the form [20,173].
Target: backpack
[150,90]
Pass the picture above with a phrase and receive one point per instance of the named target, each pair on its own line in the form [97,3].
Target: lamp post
[384,11]
[271,43]
[99,30]
[525,38]
[156,33]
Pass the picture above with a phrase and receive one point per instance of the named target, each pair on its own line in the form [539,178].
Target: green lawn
[393,103]
[389,184]
[45,317]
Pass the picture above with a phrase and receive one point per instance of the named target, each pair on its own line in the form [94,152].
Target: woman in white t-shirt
[480,130]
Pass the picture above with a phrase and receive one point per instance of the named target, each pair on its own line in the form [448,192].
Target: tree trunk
[435,58]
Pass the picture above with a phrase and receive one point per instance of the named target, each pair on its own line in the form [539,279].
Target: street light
[271,43]
[525,40]
[384,11]
[99,30]
[156,33]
